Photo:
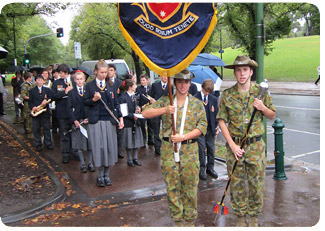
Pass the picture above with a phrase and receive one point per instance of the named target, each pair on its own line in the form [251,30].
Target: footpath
[137,197]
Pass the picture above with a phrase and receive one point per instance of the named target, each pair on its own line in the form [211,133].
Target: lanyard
[176,155]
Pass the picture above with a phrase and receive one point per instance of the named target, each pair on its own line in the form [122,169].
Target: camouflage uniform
[26,86]
[181,178]
[236,110]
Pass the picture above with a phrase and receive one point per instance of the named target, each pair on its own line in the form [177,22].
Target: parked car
[121,66]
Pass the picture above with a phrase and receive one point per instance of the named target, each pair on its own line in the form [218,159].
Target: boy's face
[63,75]
[144,82]
[111,72]
[243,74]
[39,82]
[205,92]
[164,79]
[80,80]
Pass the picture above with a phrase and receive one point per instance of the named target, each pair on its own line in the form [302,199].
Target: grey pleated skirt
[103,141]
[78,140]
[130,140]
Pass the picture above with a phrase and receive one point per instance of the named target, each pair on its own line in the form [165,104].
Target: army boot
[189,223]
[179,224]
[241,221]
[253,221]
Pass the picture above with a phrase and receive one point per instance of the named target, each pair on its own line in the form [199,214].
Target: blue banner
[167,36]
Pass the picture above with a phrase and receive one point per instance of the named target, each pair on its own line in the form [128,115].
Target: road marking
[305,154]
[294,130]
[298,108]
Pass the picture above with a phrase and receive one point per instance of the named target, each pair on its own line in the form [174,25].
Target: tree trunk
[138,69]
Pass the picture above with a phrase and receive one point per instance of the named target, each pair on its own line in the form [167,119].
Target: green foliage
[293,59]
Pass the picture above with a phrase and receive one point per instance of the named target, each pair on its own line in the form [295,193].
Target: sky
[62,19]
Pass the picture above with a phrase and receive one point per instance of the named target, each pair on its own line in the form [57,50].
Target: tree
[310,14]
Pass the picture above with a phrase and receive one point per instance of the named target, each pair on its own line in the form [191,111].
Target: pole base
[280,176]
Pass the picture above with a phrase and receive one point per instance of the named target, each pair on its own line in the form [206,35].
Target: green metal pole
[260,55]
[278,150]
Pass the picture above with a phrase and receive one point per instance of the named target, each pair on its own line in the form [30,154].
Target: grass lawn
[292,59]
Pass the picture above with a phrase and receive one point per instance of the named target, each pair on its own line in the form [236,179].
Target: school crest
[167,36]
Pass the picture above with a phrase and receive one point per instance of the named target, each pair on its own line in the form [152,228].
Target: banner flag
[167,36]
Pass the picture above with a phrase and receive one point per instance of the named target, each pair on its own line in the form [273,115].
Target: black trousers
[64,125]
[1,103]
[156,130]
[206,142]
[37,123]
[146,127]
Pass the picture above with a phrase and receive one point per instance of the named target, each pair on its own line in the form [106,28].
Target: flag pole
[171,104]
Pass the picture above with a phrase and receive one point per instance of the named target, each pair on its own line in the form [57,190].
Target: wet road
[301,117]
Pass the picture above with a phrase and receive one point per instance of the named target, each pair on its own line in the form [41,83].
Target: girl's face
[101,73]
[133,88]
[182,85]
[45,75]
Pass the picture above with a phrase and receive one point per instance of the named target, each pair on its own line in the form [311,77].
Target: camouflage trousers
[181,180]
[27,118]
[250,167]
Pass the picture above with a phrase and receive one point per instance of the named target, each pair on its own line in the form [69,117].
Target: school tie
[164,87]
[205,99]
[80,91]
[65,81]
[100,84]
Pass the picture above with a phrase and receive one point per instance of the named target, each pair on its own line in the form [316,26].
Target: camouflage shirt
[236,109]
[26,86]
[195,116]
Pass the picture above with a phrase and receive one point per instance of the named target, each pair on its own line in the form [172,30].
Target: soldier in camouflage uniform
[26,86]
[181,178]
[236,107]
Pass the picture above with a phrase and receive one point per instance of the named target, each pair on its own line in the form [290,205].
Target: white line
[305,132]
[298,108]
[305,154]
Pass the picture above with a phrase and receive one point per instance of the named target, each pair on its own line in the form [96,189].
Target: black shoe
[157,151]
[107,181]
[137,162]
[39,148]
[212,173]
[130,163]
[120,155]
[202,174]
[50,147]
[151,143]
[91,167]
[83,168]
[65,160]
[75,157]
[100,182]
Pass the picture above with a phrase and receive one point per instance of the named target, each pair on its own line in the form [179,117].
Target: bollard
[278,150]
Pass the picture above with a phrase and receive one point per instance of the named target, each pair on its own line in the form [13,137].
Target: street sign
[77,50]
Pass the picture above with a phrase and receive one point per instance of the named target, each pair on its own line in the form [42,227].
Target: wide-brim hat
[243,60]
[184,74]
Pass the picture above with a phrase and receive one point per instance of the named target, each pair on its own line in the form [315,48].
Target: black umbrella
[38,69]
[14,69]
[86,70]
[3,53]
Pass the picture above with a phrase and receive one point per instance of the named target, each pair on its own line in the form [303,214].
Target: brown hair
[27,75]
[126,84]
[208,85]
[144,76]
[101,63]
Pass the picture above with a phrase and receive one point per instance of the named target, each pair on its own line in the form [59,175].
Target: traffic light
[26,59]
[59,32]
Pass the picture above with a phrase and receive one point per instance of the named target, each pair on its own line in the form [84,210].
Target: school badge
[167,36]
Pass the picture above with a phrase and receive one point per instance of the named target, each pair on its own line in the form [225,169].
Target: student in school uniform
[131,134]
[101,124]
[55,121]
[143,92]
[39,95]
[158,90]
[61,88]
[206,142]
[77,116]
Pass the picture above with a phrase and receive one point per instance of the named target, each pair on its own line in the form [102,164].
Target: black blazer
[157,92]
[129,119]
[60,98]
[142,91]
[211,110]
[193,89]
[92,109]
[116,85]
[76,108]
[36,98]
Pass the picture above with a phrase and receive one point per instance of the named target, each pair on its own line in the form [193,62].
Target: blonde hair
[80,73]
[101,63]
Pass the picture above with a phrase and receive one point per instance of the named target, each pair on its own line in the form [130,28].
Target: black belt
[248,141]
[183,142]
